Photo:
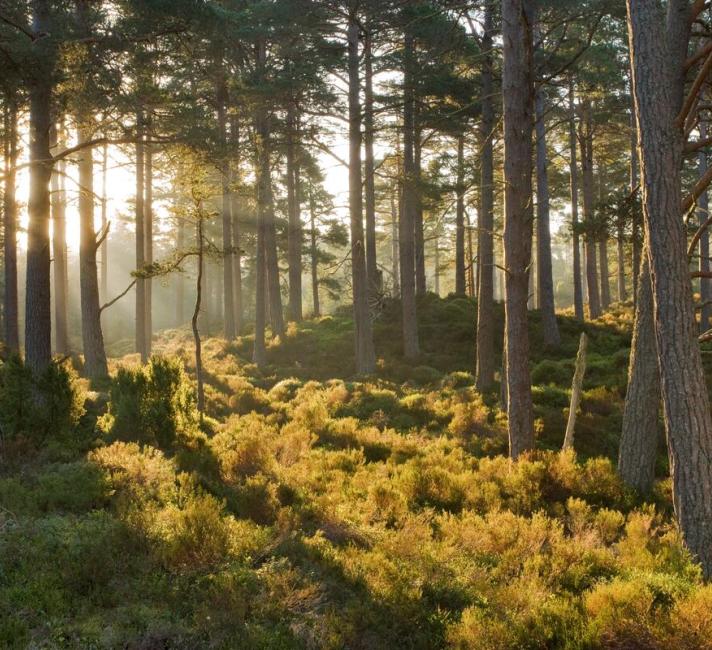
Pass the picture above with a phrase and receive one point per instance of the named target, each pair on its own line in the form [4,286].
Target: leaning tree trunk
[594,300]
[294,226]
[10,306]
[545,283]
[639,437]
[95,366]
[38,308]
[658,64]
[369,186]
[365,354]
[573,172]
[406,226]
[485,364]
[460,288]
[518,94]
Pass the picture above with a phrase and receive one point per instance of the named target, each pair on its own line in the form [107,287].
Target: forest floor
[312,511]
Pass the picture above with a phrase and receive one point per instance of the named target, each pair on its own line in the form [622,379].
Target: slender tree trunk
[576,387]
[518,94]
[418,223]
[104,292]
[59,249]
[148,234]
[38,308]
[545,283]
[657,61]
[704,265]
[180,284]
[605,277]
[485,364]
[620,257]
[10,306]
[194,320]
[226,217]
[369,166]
[365,354]
[95,365]
[470,259]
[460,288]
[395,247]
[639,437]
[236,228]
[141,346]
[314,254]
[294,227]
[436,270]
[586,137]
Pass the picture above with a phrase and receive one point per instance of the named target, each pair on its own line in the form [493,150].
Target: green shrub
[49,406]
[153,404]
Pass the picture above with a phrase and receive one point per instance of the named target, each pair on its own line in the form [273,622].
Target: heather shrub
[153,404]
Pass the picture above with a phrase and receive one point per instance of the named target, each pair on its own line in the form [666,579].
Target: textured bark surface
[586,140]
[406,234]
[38,319]
[518,94]
[10,298]
[639,437]
[573,175]
[658,51]
[485,363]
[704,263]
[460,219]
[294,223]
[364,350]
[634,190]
[545,285]
[95,365]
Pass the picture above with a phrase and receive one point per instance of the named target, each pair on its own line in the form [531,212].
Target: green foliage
[36,409]
[154,404]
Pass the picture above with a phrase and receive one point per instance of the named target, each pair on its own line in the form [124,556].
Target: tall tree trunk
[10,305]
[148,234]
[460,288]
[294,226]
[395,247]
[369,186]
[141,346]
[38,323]
[226,216]
[436,269]
[620,259]
[104,284]
[314,251]
[59,248]
[194,320]
[406,230]
[418,223]
[518,94]
[95,365]
[704,265]
[639,437]
[365,354]
[658,63]
[236,227]
[471,291]
[545,283]
[485,364]
[180,284]
[586,137]
[605,277]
